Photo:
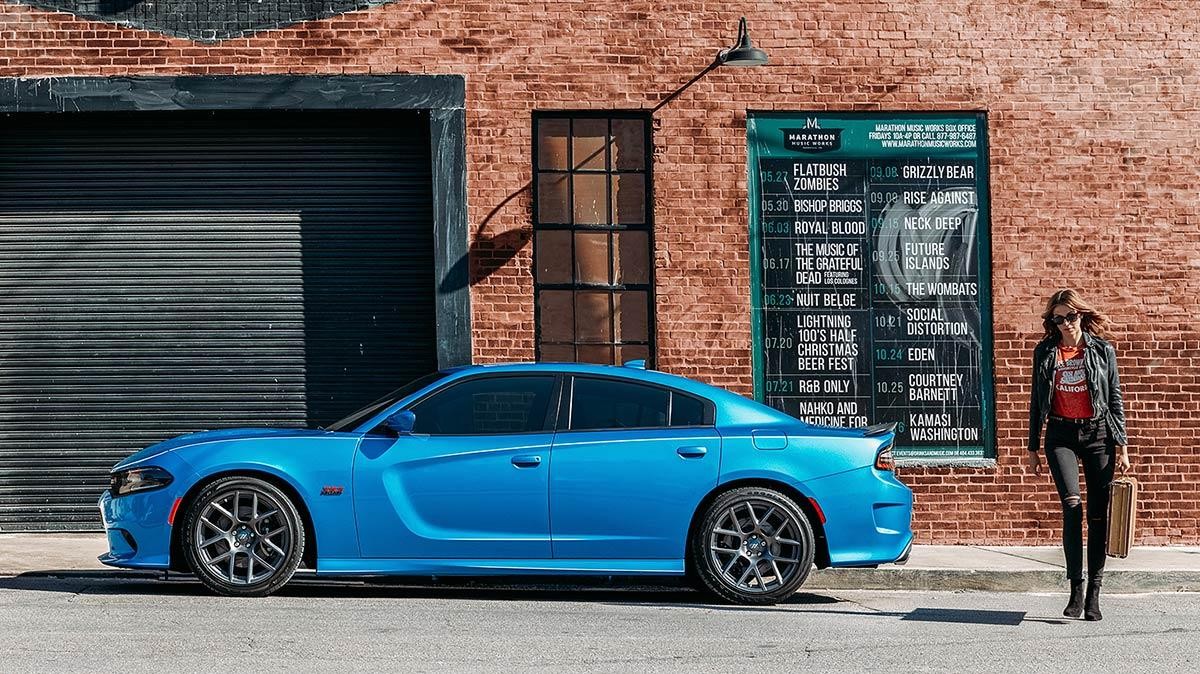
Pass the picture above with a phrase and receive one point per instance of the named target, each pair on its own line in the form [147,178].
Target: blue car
[541,469]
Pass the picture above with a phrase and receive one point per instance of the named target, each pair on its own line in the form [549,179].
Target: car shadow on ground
[663,593]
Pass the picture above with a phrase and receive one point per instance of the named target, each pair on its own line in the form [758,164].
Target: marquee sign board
[870,267]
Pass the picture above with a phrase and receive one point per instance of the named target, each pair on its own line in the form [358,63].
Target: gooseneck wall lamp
[743,54]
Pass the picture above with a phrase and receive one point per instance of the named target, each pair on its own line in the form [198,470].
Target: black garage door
[162,273]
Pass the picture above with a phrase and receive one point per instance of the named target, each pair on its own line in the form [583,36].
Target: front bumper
[868,517]
[903,559]
[139,536]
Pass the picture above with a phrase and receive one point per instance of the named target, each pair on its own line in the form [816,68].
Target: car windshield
[350,422]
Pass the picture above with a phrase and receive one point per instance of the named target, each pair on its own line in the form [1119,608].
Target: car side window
[688,411]
[612,404]
[485,406]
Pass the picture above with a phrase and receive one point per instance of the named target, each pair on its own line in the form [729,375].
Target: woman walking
[1077,395]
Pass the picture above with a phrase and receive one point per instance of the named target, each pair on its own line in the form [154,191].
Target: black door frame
[443,96]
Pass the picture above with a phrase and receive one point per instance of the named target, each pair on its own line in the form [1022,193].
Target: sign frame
[776,120]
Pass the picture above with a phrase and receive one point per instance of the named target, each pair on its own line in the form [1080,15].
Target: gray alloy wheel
[244,537]
[754,546]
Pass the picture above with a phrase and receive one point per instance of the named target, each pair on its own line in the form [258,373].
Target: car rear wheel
[244,537]
[753,546]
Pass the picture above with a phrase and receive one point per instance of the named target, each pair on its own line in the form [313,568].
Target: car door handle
[527,461]
[692,452]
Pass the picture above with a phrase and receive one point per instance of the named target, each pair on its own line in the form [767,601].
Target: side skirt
[500,567]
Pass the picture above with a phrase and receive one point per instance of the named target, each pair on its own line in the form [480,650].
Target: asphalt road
[130,624]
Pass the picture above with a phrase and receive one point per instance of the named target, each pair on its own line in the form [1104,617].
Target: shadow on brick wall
[205,19]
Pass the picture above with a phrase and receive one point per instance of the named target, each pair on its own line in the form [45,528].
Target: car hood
[211,436]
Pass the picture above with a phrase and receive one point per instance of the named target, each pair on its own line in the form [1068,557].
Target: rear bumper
[868,517]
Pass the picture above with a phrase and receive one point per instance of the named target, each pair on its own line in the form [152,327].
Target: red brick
[1095,170]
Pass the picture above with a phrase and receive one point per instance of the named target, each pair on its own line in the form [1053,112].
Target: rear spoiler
[879,429]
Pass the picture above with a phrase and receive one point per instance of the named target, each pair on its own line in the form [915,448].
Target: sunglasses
[1069,318]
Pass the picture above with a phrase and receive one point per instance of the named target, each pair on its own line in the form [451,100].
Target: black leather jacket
[1100,361]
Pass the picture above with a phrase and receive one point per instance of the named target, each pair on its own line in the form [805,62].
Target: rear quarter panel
[796,453]
[867,511]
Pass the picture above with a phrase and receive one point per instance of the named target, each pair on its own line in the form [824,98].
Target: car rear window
[613,404]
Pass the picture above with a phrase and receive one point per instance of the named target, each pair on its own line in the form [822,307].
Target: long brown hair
[1093,321]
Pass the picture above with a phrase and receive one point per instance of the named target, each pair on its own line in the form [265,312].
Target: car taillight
[885,459]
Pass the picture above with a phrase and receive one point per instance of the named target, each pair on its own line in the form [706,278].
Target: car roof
[623,371]
[730,406]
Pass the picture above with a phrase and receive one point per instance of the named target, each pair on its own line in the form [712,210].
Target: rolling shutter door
[162,273]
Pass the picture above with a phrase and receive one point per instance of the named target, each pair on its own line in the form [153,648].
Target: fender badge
[331,491]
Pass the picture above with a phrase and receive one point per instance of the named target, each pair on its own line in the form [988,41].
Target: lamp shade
[742,54]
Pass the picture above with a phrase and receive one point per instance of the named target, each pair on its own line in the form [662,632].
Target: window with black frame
[593,242]
[486,406]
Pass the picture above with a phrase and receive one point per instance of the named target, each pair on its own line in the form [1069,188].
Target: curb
[900,579]
[1115,580]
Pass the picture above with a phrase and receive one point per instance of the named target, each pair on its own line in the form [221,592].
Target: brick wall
[1093,115]
[204,19]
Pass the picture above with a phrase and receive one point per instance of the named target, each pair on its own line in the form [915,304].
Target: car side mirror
[402,422]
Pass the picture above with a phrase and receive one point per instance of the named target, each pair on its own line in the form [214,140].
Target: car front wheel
[753,546]
[244,537]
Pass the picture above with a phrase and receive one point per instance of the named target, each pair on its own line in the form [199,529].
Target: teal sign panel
[870,273]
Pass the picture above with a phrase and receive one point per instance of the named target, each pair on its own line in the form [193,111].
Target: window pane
[629,144]
[588,143]
[591,199]
[554,256]
[632,352]
[686,411]
[593,317]
[552,143]
[558,353]
[632,316]
[552,198]
[602,403]
[493,405]
[631,252]
[629,199]
[593,173]
[557,315]
[600,354]
[591,257]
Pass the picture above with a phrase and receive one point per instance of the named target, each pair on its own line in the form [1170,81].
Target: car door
[624,480]
[470,481]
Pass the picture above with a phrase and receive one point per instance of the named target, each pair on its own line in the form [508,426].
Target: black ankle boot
[1091,604]
[1074,607]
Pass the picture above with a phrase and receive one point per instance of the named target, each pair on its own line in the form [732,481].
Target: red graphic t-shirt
[1071,397]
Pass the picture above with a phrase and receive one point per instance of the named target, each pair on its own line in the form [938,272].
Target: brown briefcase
[1122,515]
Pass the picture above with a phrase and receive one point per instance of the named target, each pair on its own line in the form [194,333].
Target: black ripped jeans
[1067,445]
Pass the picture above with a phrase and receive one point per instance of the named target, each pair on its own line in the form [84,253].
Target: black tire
[770,528]
[273,541]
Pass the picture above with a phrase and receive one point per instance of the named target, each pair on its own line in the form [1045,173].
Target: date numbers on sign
[781,386]
[889,354]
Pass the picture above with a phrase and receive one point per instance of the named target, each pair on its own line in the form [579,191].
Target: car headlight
[139,479]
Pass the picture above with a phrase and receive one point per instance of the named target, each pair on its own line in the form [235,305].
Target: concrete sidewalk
[931,567]
[1017,569]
